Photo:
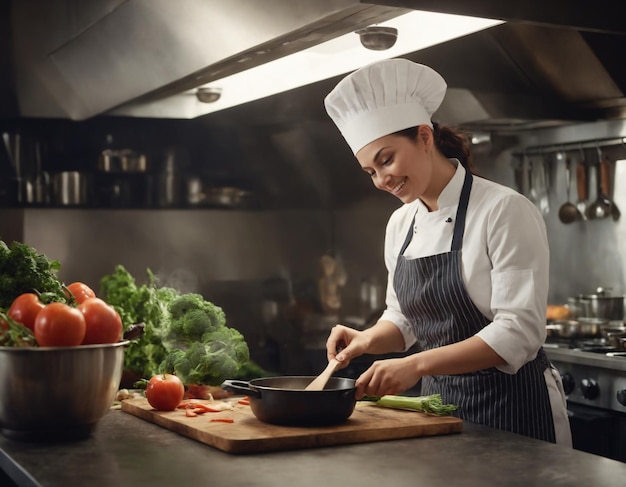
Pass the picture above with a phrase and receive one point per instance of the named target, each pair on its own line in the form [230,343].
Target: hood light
[378,38]
[208,94]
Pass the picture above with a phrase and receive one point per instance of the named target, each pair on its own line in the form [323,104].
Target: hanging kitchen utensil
[13,143]
[605,185]
[540,185]
[532,189]
[547,173]
[568,212]
[522,174]
[601,207]
[582,188]
[518,174]
[619,183]
[41,183]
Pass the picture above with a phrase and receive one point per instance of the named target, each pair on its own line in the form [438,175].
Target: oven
[594,380]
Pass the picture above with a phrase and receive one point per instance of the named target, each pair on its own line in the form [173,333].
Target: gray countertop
[129,451]
[586,358]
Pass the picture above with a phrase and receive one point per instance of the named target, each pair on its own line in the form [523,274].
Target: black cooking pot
[283,400]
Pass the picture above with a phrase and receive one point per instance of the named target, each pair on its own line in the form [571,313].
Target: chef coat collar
[451,193]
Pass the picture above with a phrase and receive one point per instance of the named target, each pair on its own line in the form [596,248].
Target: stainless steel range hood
[76,59]
[552,63]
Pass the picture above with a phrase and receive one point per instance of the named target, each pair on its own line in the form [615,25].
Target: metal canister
[70,188]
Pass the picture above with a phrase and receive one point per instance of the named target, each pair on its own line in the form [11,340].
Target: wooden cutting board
[247,434]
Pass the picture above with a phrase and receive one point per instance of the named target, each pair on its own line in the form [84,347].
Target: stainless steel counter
[585,358]
[128,451]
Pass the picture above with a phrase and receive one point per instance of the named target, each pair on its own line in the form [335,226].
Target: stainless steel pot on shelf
[70,188]
[122,161]
[583,327]
[600,304]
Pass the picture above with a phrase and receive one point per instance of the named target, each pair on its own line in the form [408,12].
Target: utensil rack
[571,146]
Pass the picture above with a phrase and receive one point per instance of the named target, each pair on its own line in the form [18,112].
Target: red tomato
[59,325]
[25,309]
[164,392]
[81,291]
[104,324]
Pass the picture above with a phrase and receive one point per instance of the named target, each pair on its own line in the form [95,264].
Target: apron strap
[459,224]
[409,236]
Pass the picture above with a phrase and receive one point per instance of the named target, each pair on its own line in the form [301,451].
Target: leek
[431,404]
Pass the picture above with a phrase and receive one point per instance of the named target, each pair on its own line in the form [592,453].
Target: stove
[594,380]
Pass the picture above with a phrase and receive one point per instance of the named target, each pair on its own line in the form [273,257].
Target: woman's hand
[391,376]
[345,343]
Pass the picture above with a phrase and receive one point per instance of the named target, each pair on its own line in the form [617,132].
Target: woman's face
[399,165]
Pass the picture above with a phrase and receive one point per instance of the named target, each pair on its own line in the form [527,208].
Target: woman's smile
[398,187]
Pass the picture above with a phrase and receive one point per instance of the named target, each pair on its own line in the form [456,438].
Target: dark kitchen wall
[261,262]
[282,147]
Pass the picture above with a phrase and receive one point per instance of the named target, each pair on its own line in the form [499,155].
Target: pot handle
[241,387]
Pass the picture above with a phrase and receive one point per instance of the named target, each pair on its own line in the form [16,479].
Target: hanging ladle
[568,212]
[582,185]
[602,207]
[605,184]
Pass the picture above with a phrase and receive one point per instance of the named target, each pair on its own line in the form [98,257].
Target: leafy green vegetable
[24,270]
[146,303]
[14,334]
[203,350]
[431,404]
[190,319]
[184,334]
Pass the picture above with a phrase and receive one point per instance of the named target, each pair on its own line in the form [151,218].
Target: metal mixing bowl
[57,393]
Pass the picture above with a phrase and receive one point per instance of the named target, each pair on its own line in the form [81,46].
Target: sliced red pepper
[206,409]
[245,402]
[193,408]
[222,420]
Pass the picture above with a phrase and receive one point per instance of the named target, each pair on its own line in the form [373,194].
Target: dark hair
[451,142]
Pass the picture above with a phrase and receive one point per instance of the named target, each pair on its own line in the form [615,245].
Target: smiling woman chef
[468,263]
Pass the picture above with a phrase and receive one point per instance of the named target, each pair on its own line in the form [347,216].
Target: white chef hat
[382,98]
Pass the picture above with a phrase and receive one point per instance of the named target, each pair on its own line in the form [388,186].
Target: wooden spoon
[320,381]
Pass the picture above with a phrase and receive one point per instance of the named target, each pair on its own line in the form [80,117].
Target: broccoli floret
[230,340]
[218,356]
[195,324]
[186,302]
[191,317]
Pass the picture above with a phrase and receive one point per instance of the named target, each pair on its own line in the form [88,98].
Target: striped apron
[434,299]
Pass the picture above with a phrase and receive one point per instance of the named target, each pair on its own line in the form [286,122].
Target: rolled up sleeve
[518,248]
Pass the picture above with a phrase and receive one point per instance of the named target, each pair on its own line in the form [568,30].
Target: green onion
[424,404]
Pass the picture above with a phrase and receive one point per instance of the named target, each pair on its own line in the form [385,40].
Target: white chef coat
[505,261]
[505,267]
